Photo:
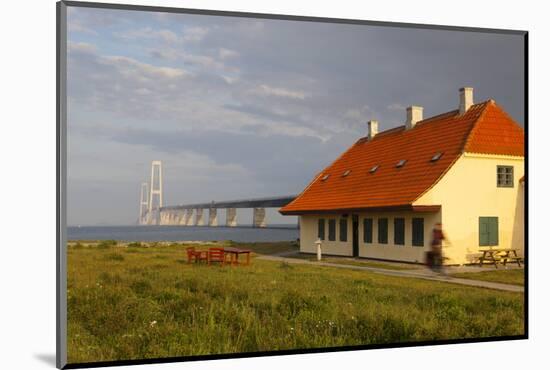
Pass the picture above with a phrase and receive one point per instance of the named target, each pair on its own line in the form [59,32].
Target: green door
[488,231]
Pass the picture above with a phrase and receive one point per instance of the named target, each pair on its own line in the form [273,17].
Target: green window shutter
[493,230]
[321,228]
[367,230]
[488,231]
[332,230]
[418,232]
[399,231]
[343,229]
[383,230]
[483,231]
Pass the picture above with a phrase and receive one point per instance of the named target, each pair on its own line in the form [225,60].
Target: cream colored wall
[390,251]
[469,191]
[519,225]
[309,232]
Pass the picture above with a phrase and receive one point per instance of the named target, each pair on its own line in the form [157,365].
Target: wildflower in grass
[153,323]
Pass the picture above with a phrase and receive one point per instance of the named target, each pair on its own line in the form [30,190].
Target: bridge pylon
[155,192]
[143,203]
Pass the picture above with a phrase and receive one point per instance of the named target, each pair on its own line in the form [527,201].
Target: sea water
[184,233]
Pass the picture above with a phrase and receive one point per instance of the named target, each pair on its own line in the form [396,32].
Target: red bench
[216,255]
[194,255]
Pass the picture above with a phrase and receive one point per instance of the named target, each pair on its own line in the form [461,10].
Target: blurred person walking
[434,258]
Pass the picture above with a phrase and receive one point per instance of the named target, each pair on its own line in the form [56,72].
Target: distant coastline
[243,226]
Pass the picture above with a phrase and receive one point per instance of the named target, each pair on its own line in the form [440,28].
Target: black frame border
[61,117]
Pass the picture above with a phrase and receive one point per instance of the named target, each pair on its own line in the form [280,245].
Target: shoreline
[159,243]
[243,226]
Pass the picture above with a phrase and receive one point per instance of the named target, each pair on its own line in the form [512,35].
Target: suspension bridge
[152,211]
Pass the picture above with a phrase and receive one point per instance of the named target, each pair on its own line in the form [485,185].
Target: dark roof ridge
[389,131]
[450,113]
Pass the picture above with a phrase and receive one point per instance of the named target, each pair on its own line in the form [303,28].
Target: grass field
[513,276]
[140,302]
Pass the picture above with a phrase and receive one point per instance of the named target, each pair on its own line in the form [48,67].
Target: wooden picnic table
[194,255]
[234,255]
[201,256]
[496,255]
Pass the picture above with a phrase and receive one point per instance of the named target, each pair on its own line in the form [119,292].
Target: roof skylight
[401,163]
[436,156]
[374,168]
[347,172]
[324,178]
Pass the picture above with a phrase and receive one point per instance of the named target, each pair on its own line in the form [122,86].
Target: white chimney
[414,114]
[373,129]
[466,99]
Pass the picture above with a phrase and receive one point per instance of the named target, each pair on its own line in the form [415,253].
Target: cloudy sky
[242,107]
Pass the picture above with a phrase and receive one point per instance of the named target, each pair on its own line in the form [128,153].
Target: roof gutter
[404,207]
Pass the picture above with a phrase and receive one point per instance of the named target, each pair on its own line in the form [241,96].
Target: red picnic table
[234,255]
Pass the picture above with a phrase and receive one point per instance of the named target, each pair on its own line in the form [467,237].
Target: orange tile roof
[497,133]
[484,128]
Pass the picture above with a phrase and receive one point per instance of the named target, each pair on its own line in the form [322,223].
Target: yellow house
[382,197]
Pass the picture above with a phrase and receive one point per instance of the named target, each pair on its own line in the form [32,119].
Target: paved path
[421,273]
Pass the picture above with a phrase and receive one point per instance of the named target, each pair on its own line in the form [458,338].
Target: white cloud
[396,107]
[164,53]
[230,80]
[76,26]
[143,91]
[129,65]
[290,129]
[81,47]
[150,34]
[195,34]
[227,54]
[203,61]
[279,91]
[358,114]
[167,35]
[191,34]
[354,119]
[191,97]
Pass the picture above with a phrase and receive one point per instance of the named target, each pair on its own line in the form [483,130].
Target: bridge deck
[269,202]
